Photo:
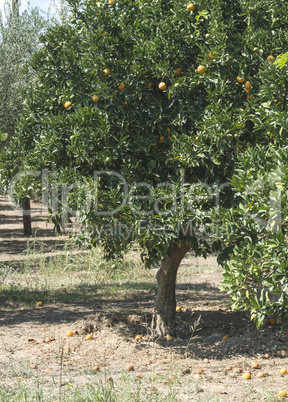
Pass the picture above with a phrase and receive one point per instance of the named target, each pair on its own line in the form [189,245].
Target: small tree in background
[145,112]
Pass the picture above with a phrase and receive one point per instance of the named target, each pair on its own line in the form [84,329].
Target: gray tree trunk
[165,304]
[27,217]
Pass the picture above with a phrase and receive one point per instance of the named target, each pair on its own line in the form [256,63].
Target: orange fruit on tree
[67,104]
[162,86]
[95,98]
[200,69]
[246,375]
[149,85]
[122,86]
[270,58]
[111,2]
[283,371]
[240,79]
[106,72]
[282,394]
[177,72]
[210,57]
[70,333]
[39,304]
[248,85]
[190,7]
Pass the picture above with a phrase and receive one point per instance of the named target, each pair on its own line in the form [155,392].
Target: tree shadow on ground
[202,332]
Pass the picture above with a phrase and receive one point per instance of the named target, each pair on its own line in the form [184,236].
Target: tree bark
[165,304]
[27,217]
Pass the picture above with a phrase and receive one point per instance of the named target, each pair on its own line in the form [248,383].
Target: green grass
[68,278]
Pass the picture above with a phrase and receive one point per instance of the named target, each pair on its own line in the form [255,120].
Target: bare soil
[114,322]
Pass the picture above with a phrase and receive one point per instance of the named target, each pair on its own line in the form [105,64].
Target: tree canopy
[156,116]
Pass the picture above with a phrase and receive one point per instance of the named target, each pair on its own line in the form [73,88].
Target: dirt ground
[210,335]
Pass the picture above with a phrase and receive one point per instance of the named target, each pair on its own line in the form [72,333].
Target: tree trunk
[165,305]
[27,217]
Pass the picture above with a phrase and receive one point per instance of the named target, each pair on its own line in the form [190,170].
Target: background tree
[171,98]
[19,39]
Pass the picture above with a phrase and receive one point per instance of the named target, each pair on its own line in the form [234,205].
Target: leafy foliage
[181,160]
[19,39]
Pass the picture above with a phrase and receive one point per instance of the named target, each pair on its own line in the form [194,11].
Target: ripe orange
[111,2]
[283,371]
[106,71]
[39,304]
[197,138]
[190,7]
[282,394]
[200,69]
[67,104]
[261,374]
[70,333]
[240,79]
[95,98]
[177,72]
[246,375]
[248,85]
[162,86]
[149,85]
[122,86]
[89,336]
[270,58]
[130,367]
[255,365]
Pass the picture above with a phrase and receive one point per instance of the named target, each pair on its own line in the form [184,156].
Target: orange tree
[145,112]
